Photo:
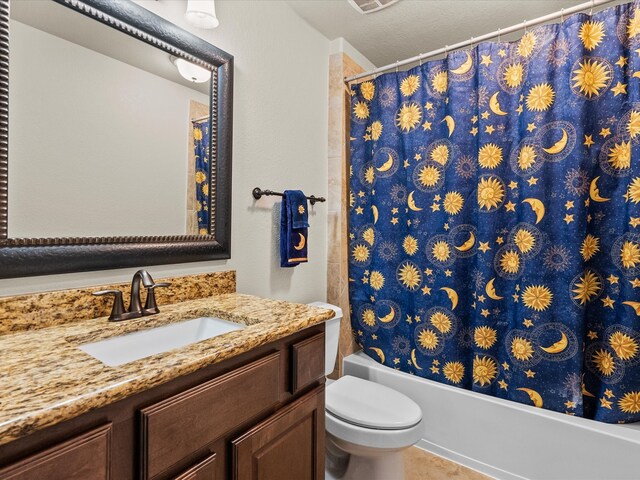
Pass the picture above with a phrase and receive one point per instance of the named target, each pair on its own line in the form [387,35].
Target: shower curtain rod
[472,41]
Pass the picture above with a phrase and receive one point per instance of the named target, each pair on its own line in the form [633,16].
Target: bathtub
[507,440]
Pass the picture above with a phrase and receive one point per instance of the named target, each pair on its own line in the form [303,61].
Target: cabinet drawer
[307,362]
[205,470]
[85,457]
[184,423]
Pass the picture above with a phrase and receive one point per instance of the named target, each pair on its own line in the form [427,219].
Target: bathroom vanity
[244,405]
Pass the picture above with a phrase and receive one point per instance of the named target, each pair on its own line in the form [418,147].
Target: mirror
[119,140]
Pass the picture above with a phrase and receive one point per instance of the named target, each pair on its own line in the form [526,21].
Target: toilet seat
[371,415]
[371,405]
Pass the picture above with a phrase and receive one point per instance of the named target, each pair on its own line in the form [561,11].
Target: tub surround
[504,439]
[340,65]
[46,379]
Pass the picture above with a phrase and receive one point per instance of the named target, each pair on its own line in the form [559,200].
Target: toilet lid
[371,405]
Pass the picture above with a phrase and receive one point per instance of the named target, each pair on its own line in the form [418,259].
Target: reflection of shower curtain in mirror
[495,217]
[200,143]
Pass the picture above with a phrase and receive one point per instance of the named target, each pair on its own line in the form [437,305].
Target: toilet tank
[331,336]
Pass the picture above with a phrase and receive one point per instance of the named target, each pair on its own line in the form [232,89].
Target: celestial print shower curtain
[495,217]
[201,149]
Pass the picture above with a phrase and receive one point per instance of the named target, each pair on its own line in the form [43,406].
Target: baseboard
[483,468]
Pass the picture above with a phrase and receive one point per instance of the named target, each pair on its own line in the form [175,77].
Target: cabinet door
[289,444]
[85,457]
[205,470]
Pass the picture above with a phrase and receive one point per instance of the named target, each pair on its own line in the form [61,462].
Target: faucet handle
[150,306]
[117,310]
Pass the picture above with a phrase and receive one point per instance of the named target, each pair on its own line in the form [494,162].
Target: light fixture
[191,71]
[202,13]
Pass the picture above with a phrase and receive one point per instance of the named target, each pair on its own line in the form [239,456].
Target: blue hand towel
[294,226]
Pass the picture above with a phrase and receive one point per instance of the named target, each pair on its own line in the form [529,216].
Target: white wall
[341,45]
[87,136]
[280,141]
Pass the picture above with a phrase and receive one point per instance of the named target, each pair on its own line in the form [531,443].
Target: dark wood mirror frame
[20,257]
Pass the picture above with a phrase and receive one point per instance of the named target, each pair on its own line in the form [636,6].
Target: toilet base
[383,467]
[363,463]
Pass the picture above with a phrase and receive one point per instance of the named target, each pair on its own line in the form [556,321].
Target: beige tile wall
[340,66]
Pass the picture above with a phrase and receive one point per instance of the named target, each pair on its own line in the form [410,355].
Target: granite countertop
[45,379]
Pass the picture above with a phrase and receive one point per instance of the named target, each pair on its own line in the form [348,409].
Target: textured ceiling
[411,27]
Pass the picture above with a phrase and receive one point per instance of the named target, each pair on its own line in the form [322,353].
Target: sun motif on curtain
[495,217]
[201,150]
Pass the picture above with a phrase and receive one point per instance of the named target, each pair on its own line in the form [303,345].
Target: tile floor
[422,465]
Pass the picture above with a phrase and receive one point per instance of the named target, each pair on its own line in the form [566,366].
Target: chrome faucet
[135,309]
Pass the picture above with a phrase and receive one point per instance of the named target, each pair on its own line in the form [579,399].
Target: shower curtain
[201,149]
[495,217]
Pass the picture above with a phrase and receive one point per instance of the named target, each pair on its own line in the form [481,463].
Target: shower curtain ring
[397,66]
[593,4]
[499,36]
[471,41]
[446,53]
[420,59]
[562,15]
[524,22]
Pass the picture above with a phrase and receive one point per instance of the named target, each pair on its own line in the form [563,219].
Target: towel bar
[258,193]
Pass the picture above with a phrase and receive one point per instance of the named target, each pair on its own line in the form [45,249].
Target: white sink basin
[134,346]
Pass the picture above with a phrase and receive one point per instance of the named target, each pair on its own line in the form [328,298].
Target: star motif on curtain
[486,60]
[588,140]
[622,61]
[620,88]
[608,302]
[605,403]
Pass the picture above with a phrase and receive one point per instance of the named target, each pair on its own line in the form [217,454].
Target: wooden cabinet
[259,415]
[307,361]
[204,470]
[180,425]
[82,457]
[294,434]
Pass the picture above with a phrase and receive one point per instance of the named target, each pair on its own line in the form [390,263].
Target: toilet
[368,425]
